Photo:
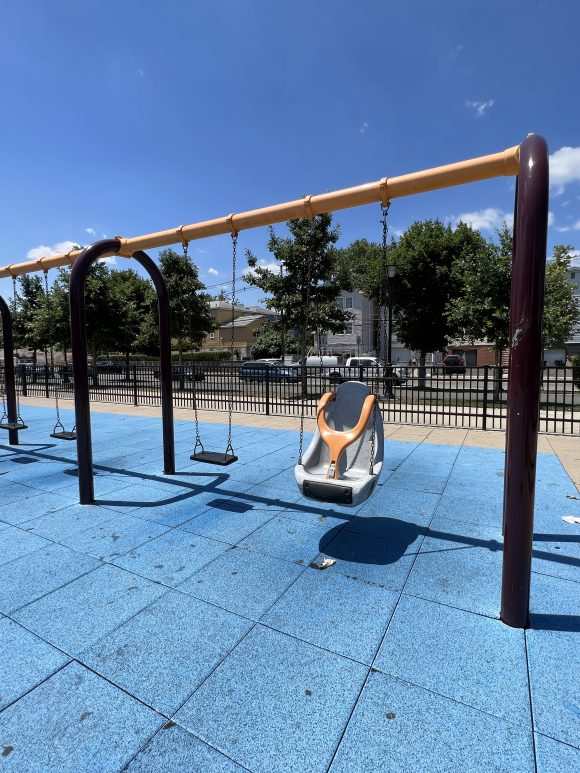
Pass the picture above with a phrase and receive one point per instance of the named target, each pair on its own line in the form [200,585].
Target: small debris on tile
[570,519]
[571,496]
[323,564]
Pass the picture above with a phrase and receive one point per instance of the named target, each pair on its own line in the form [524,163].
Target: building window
[348,302]
[340,302]
[212,335]
[572,275]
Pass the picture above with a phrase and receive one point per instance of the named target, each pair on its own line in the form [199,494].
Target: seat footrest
[328,492]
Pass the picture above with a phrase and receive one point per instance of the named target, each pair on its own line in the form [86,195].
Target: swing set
[344,458]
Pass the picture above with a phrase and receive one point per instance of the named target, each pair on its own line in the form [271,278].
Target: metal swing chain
[381,326]
[229,446]
[198,443]
[19,419]
[50,349]
[301,441]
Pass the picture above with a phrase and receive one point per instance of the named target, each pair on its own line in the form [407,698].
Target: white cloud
[44,251]
[213,271]
[480,107]
[574,227]
[488,219]
[364,127]
[273,266]
[90,231]
[141,73]
[564,168]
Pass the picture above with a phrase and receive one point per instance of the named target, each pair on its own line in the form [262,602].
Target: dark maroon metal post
[80,369]
[526,312]
[9,380]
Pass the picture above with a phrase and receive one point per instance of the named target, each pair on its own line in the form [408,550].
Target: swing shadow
[381,540]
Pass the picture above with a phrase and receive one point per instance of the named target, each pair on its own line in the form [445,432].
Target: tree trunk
[127,366]
[94,358]
[422,370]
[34,364]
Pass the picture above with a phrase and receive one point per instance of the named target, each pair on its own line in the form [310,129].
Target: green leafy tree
[269,342]
[103,310]
[30,299]
[480,309]
[561,314]
[137,300]
[305,291]
[425,282]
[357,267]
[191,320]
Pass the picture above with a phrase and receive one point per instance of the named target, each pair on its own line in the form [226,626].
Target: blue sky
[131,116]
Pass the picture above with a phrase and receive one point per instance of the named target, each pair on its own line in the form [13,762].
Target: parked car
[66,371]
[260,371]
[453,363]
[185,372]
[371,368]
[107,366]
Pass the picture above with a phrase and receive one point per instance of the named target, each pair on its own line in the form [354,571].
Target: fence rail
[471,397]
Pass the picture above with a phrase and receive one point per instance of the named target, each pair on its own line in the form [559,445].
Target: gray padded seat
[355,483]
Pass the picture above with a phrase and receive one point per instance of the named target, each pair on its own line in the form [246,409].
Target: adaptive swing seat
[336,466]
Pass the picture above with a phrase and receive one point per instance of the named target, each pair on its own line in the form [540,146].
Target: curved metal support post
[526,313]
[80,369]
[9,380]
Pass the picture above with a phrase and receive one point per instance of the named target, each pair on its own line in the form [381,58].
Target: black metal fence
[471,397]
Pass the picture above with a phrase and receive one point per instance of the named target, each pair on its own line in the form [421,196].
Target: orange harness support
[337,442]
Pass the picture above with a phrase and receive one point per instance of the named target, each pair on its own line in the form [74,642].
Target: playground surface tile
[181,623]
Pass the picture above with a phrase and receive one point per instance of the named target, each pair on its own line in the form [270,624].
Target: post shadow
[9,380]
[79,353]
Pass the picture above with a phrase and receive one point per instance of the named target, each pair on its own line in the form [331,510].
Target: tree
[103,310]
[269,342]
[561,314]
[425,282]
[480,309]
[305,292]
[357,267]
[137,301]
[221,296]
[28,304]
[190,314]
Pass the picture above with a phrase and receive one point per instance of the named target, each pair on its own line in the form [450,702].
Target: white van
[371,368]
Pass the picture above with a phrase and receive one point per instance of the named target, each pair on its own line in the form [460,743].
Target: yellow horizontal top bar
[385,189]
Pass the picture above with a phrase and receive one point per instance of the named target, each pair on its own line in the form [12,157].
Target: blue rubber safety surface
[181,622]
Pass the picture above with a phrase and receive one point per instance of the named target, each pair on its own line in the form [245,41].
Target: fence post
[135,395]
[46,387]
[485,384]
[267,390]
[23,381]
